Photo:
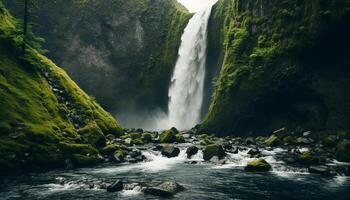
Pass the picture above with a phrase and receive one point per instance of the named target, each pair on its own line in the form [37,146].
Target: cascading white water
[187,83]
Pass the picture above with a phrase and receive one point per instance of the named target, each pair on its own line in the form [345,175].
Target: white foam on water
[128,193]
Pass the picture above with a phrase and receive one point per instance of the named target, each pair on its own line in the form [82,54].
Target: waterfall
[187,82]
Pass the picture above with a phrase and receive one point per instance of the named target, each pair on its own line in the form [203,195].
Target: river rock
[168,136]
[259,165]
[255,152]
[166,189]
[115,187]
[192,150]
[213,150]
[304,141]
[321,170]
[170,151]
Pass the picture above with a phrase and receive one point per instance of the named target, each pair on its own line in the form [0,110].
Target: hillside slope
[128,48]
[45,117]
[283,64]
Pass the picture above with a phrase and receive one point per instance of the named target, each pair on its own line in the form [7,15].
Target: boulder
[331,141]
[170,151]
[168,136]
[180,138]
[192,150]
[273,140]
[146,137]
[115,187]
[304,141]
[342,153]
[166,189]
[213,150]
[259,165]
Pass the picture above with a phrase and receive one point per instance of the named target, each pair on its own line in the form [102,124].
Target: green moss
[77,149]
[213,150]
[259,165]
[110,149]
[146,137]
[137,141]
[167,136]
[180,138]
[307,158]
[92,134]
[261,46]
[273,140]
[82,160]
[35,125]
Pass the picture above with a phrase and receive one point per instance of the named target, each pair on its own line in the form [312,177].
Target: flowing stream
[203,180]
[187,82]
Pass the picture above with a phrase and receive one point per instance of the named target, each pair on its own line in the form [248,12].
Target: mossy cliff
[46,120]
[283,64]
[128,48]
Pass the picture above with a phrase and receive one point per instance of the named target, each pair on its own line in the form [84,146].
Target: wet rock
[213,150]
[166,189]
[331,141]
[192,150]
[343,170]
[227,146]
[233,150]
[342,153]
[115,187]
[249,141]
[321,170]
[259,165]
[168,136]
[273,140]
[304,141]
[307,133]
[192,162]
[180,138]
[135,153]
[170,151]
[127,141]
[255,152]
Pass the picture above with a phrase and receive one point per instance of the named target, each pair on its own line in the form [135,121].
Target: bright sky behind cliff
[196,5]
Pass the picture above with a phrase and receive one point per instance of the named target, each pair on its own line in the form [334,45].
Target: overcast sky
[196,5]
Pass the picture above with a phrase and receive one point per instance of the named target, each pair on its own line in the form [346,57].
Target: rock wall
[121,52]
[283,64]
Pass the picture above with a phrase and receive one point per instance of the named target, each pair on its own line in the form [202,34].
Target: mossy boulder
[180,138]
[120,155]
[342,153]
[259,165]
[109,149]
[273,140]
[213,150]
[146,137]
[168,136]
[308,158]
[137,141]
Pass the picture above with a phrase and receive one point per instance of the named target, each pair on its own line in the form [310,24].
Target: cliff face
[283,64]
[121,52]
[45,117]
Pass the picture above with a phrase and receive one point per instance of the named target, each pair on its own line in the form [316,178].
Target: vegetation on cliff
[283,63]
[45,117]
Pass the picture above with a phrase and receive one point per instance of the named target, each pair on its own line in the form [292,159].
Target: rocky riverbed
[188,165]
